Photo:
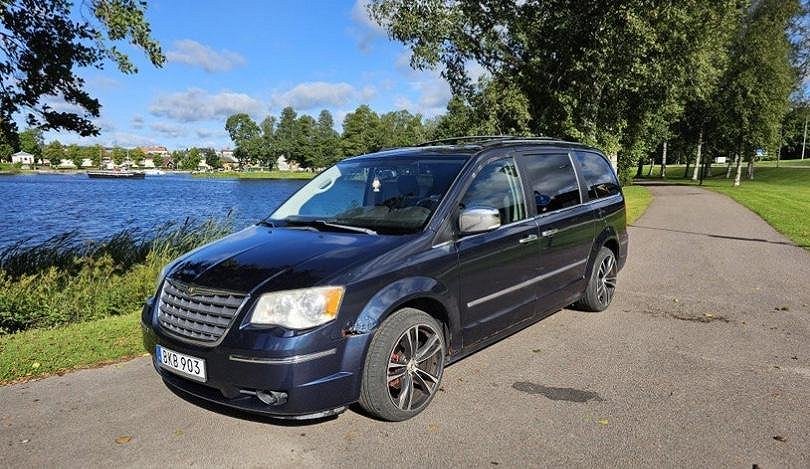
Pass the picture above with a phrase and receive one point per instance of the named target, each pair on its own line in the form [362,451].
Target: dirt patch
[557,394]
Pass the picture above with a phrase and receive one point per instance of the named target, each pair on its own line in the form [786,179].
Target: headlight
[298,309]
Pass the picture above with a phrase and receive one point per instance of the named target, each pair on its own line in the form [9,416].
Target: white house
[87,163]
[22,158]
[66,164]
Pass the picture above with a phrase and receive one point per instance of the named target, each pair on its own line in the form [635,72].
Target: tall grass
[63,280]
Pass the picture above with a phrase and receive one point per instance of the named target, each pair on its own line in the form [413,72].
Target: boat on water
[154,172]
[107,174]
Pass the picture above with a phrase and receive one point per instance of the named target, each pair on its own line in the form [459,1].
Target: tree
[31,141]
[606,74]
[211,158]
[305,152]
[285,134]
[245,135]
[118,155]
[54,152]
[361,132]
[74,154]
[96,154]
[759,80]
[326,141]
[191,159]
[401,129]
[137,156]
[45,43]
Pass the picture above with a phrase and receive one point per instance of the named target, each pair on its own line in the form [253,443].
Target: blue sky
[256,57]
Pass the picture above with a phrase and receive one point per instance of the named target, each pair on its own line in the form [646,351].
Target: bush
[61,281]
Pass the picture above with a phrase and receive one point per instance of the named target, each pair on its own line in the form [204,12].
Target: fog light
[272,397]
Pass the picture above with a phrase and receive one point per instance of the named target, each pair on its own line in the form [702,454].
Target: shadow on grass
[712,235]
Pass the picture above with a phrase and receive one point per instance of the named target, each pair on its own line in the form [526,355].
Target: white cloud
[366,29]
[196,104]
[193,53]
[317,94]
[168,130]
[137,121]
[208,133]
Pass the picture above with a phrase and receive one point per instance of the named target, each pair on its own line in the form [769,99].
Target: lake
[36,207]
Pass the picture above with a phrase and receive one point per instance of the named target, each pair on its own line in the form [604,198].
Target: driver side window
[498,186]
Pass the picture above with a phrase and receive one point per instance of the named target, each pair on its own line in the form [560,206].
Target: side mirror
[478,220]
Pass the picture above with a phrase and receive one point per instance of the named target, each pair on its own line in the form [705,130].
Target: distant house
[66,164]
[283,165]
[148,163]
[227,159]
[156,150]
[87,163]
[22,157]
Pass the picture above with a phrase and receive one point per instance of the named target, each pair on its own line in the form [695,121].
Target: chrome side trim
[285,360]
[531,281]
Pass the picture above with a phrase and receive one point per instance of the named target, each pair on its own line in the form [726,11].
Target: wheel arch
[423,293]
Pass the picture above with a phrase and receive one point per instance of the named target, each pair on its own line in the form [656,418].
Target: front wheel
[404,366]
[601,283]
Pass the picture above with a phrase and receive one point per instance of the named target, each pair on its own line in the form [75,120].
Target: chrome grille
[197,313]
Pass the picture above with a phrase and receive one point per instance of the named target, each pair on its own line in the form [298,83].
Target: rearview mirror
[478,220]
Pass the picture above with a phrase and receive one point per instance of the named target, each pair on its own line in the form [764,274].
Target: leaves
[44,45]
[123,439]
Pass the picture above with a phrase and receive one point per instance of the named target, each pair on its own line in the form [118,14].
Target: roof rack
[473,139]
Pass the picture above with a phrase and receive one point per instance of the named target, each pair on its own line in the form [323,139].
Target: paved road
[693,365]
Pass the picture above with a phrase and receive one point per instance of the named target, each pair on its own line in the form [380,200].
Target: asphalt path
[702,360]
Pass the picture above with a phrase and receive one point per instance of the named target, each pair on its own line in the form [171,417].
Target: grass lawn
[255,175]
[781,196]
[40,352]
[638,198]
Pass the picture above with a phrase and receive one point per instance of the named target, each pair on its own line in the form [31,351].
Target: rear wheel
[404,365]
[601,284]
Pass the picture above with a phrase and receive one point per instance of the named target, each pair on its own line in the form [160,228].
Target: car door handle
[528,239]
[550,232]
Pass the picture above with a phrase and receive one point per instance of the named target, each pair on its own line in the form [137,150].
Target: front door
[497,267]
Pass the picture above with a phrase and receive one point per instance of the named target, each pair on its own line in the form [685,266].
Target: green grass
[40,352]
[803,163]
[781,196]
[255,175]
[638,198]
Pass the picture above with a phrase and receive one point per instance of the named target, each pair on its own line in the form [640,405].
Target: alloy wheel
[606,280]
[415,367]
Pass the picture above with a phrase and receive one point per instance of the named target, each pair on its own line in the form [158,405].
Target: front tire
[601,283]
[404,366]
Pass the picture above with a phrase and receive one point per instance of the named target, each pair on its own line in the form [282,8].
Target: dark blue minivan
[383,269]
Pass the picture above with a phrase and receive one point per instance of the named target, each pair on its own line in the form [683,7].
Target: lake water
[37,207]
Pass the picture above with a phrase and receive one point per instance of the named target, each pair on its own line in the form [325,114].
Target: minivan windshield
[386,195]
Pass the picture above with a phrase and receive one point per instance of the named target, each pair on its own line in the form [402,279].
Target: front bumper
[319,374]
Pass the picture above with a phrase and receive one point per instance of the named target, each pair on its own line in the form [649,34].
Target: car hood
[277,258]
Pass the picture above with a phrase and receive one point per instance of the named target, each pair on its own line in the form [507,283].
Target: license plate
[184,365]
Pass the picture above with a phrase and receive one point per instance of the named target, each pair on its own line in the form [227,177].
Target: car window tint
[498,186]
[553,181]
[598,174]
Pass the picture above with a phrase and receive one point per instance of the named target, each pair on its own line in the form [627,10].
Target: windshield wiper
[324,223]
[357,229]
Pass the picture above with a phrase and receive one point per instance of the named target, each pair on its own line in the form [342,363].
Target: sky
[225,57]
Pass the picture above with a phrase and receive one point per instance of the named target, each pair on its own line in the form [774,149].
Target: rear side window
[553,181]
[498,186]
[598,174]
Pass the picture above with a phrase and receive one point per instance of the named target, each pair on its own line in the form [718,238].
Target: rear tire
[601,283]
[404,366]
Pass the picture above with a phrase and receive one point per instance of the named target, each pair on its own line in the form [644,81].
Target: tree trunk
[738,162]
[804,140]
[686,171]
[640,170]
[779,148]
[614,161]
[728,170]
[652,163]
[751,166]
[664,161]
[697,158]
